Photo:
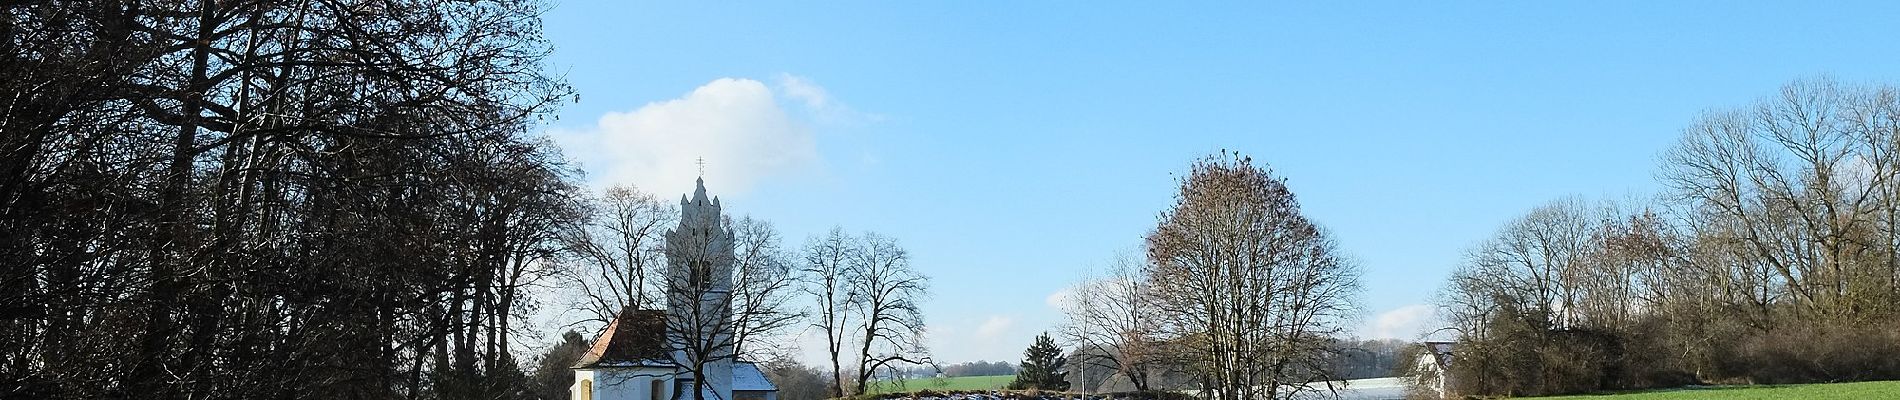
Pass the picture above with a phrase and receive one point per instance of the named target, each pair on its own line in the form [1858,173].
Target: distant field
[957,383]
[1856,390]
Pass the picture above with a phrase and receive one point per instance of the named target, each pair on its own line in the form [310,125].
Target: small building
[749,383]
[629,361]
[1434,369]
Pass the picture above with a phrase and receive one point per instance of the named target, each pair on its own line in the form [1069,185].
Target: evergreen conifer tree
[1042,367]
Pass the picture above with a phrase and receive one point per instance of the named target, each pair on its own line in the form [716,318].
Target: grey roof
[1441,353]
[746,376]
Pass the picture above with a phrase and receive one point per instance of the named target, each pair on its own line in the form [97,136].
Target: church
[660,354]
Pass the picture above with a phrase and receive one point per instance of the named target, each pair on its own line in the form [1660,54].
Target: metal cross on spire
[702,167]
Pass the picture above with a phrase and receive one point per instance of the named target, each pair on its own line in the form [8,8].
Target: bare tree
[1115,323]
[1538,260]
[890,322]
[828,269]
[618,251]
[1257,288]
[1805,180]
[867,296]
[764,282]
[1632,267]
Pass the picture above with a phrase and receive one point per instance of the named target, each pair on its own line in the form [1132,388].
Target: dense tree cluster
[1379,358]
[1771,259]
[979,368]
[271,199]
[551,374]
[336,199]
[797,381]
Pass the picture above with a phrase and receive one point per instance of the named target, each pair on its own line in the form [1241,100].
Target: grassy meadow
[987,382]
[1854,390]
[1818,391]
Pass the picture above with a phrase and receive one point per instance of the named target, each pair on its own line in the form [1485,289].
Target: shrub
[1819,353]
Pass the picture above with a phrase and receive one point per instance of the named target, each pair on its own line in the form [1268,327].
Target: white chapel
[650,354]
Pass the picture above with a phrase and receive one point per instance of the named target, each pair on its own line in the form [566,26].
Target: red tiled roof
[635,337]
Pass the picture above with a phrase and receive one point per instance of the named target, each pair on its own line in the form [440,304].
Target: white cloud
[819,102]
[803,90]
[1408,322]
[994,326]
[736,125]
[1060,299]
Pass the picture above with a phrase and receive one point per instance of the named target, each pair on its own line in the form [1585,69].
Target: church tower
[664,355]
[699,294]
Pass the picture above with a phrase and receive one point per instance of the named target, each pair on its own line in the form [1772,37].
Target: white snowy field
[1374,389]
[1392,388]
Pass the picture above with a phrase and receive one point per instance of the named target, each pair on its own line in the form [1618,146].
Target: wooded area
[1772,259]
[337,199]
[251,199]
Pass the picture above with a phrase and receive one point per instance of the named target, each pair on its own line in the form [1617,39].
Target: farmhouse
[1434,369]
[658,355]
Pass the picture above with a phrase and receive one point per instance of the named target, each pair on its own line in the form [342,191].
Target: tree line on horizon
[952,370]
[1772,257]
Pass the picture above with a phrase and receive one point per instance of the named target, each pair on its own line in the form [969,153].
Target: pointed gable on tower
[698,251]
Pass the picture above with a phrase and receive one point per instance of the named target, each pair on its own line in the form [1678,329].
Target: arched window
[586,391]
[659,391]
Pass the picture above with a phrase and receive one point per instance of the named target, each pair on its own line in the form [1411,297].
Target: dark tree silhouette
[271,199]
[1042,367]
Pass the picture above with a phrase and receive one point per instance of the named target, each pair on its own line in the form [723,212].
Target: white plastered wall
[622,383]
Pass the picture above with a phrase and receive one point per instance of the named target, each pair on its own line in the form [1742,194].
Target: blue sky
[1012,147]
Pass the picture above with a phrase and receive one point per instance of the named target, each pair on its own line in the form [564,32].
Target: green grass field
[957,383]
[1856,390]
